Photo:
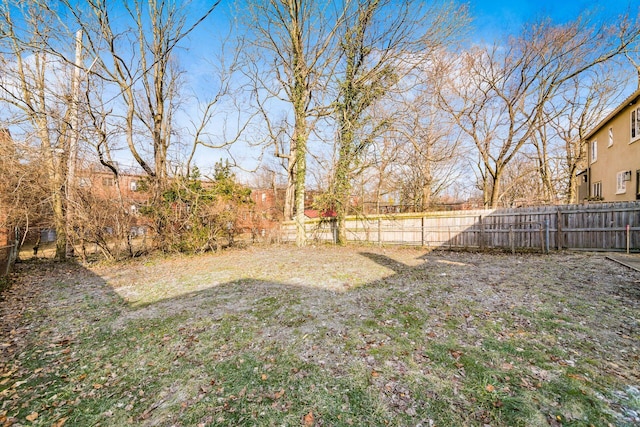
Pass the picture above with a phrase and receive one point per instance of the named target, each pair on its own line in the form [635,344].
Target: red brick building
[261,219]
[268,203]
[258,220]
[101,184]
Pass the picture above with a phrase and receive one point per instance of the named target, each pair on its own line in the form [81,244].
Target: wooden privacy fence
[8,255]
[601,226]
[8,249]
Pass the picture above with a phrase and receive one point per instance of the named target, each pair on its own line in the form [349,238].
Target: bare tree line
[380,101]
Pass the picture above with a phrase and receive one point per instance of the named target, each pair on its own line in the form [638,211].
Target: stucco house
[613,155]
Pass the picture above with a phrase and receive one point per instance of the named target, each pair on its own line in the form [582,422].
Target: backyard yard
[323,336]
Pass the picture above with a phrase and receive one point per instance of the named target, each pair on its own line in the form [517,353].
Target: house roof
[631,99]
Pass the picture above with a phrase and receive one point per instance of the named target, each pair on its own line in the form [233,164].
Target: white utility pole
[74,138]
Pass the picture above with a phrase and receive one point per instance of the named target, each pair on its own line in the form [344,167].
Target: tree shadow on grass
[64,319]
[370,335]
[45,290]
[385,261]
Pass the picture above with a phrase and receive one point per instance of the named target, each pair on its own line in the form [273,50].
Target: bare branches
[35,89]
[293,42]
[498,95]
[378,51]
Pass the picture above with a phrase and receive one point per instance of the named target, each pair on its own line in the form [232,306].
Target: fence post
[10,257]
[559,242]
[628,237]
[422,230]
[334,228]
[512,242]
[481,243]
[546,234]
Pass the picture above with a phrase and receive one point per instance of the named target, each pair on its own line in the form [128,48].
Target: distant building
[613,155]
[102,185]
[268,203]
[262,217]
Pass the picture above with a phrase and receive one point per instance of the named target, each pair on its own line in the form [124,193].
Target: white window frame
[610,137]
[596,191]
[264,197]
[133,185]
[634,122]
[593,148]
[621,183]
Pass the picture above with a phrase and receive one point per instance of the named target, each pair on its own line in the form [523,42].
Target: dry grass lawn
[323,336]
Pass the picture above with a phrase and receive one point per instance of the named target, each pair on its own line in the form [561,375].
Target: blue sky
[491,20]
[493,17]
[490,17]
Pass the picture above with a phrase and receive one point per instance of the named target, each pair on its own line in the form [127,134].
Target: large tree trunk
[495,188]
[59,220]
[290,193]
[572,190]
[56,179]
[300,99]
[428,181]
[426,197]
[301,169]
[342,196]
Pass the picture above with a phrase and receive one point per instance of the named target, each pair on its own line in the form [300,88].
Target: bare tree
[89,221]
[220,117]
[136,54]
[384,154]
[382,42]
[568,117]
[136,82]
[291,52]
[24,186]
[35,92]
[521,183]
[429,140]
[497,94]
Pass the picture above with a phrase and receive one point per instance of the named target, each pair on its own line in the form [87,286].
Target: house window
[107,182]
[133,185]
[133,209]
[635,124]
[84,182]
[610,137]
[264,197]
[621,181]
[596,192]
[594,151]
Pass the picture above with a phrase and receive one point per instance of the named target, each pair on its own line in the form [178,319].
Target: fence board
[600,226]
[7,257]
